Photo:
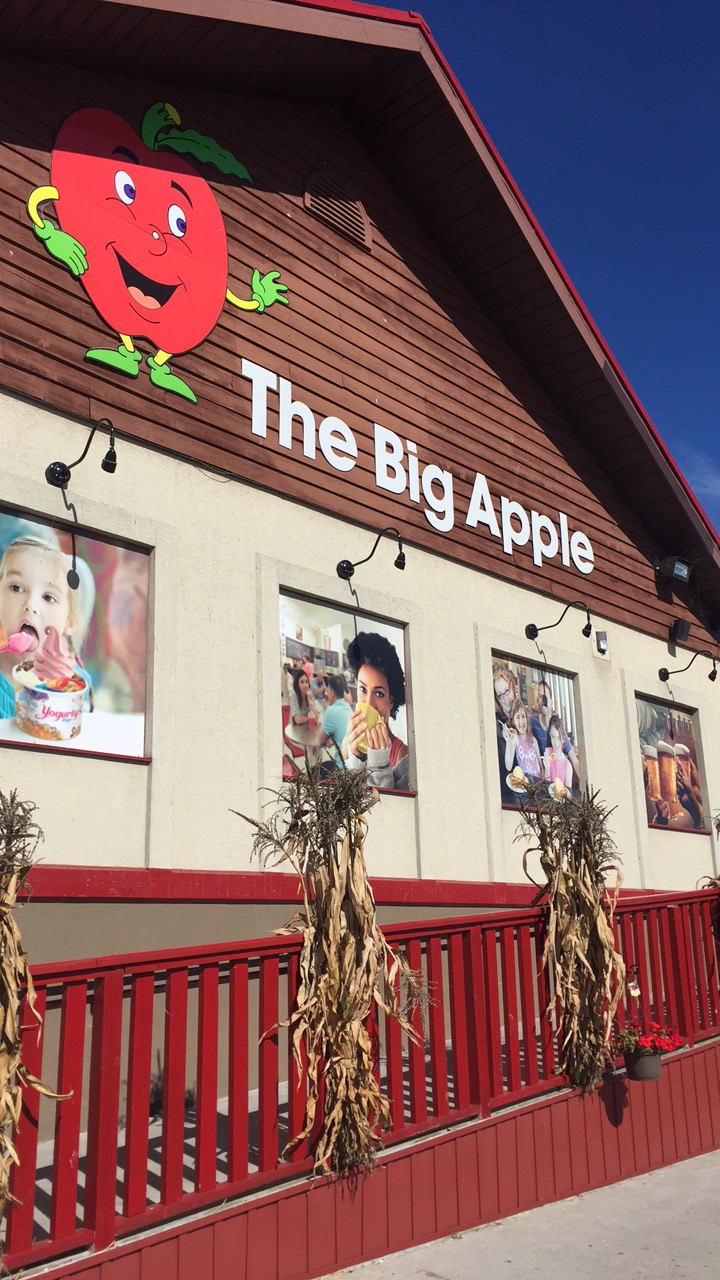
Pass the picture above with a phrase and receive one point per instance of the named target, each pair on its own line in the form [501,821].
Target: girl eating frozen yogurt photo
[40,616]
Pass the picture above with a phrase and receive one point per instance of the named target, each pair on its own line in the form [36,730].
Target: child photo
[72,660]
[536,729]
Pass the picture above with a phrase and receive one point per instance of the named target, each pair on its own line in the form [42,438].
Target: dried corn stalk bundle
[587,973]
[346,966]
[19,838]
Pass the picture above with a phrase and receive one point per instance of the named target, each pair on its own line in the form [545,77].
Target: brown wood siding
[392,337]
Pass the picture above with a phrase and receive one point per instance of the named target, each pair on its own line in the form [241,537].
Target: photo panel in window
[343,693]
[674,797]
[536,729]
[73,660]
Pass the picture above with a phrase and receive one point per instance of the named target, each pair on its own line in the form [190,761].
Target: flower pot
[643,1066]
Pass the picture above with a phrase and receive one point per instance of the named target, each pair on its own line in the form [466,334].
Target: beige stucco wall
[222,551]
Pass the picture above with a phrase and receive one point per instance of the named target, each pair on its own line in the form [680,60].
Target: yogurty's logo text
[399,469]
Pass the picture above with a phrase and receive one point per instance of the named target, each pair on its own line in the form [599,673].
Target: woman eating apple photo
[370,742]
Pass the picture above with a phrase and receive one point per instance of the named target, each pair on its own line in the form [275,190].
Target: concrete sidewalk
[660,1226]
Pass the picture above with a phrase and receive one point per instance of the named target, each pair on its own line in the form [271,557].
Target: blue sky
[608,118]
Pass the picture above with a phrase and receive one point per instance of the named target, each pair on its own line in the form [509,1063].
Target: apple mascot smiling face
[151,229]
[142,231]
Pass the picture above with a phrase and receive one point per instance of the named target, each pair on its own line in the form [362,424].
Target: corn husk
[587,974]
[346,969]
[19,838]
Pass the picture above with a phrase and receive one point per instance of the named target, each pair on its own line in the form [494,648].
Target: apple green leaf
[204,149]
[161,115]
[161,128]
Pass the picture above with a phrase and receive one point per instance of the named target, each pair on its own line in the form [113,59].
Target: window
[74,675]
[343,693]
[674,796]
[536,729]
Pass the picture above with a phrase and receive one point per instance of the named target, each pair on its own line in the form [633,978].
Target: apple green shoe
[162,376]
[120,358]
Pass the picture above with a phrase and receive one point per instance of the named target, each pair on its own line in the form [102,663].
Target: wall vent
[327,198]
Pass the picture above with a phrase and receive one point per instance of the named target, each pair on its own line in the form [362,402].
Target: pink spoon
[20,642]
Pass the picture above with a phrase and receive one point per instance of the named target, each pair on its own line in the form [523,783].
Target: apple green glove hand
[64,247]
[266,290]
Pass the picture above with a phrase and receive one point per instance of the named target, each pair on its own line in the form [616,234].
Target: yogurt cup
[51,715]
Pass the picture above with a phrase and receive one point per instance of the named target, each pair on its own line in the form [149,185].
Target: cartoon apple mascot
[143,233]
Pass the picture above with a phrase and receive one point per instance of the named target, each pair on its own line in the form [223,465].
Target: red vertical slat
[416,1048]
[173,1110]
[527,1004]
[102,1152]
[22,1183]
[438,1055]
[641,957]
[492,993]
[67,1118]
[695,972]
[619,930]
[297,1079]
[372,1026]
[674,977]
[704,997]
[476,1021]
[658,1002]
[393,1051]
[707,916]
[238,1073]
[512,1043]
[207,1076]
[682,982]
[547,1030]
[268,1065]
[458,1014]
[319,1109]
[138,1095]
[627,1008]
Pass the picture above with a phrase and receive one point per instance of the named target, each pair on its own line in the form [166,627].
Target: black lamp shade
[664,675]
[109,462]
[345,569]
[587,629]
[531,631]
[400,560]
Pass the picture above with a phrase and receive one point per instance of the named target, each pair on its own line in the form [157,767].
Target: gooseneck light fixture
[664,674]
[346,568]
[59,474]
[532,631]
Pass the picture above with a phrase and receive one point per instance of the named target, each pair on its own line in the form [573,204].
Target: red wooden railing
[128,1149]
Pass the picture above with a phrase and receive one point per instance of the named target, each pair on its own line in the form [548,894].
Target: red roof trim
[351,8]
[356,10]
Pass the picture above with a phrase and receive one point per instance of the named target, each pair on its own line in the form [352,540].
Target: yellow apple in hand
[372,717]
